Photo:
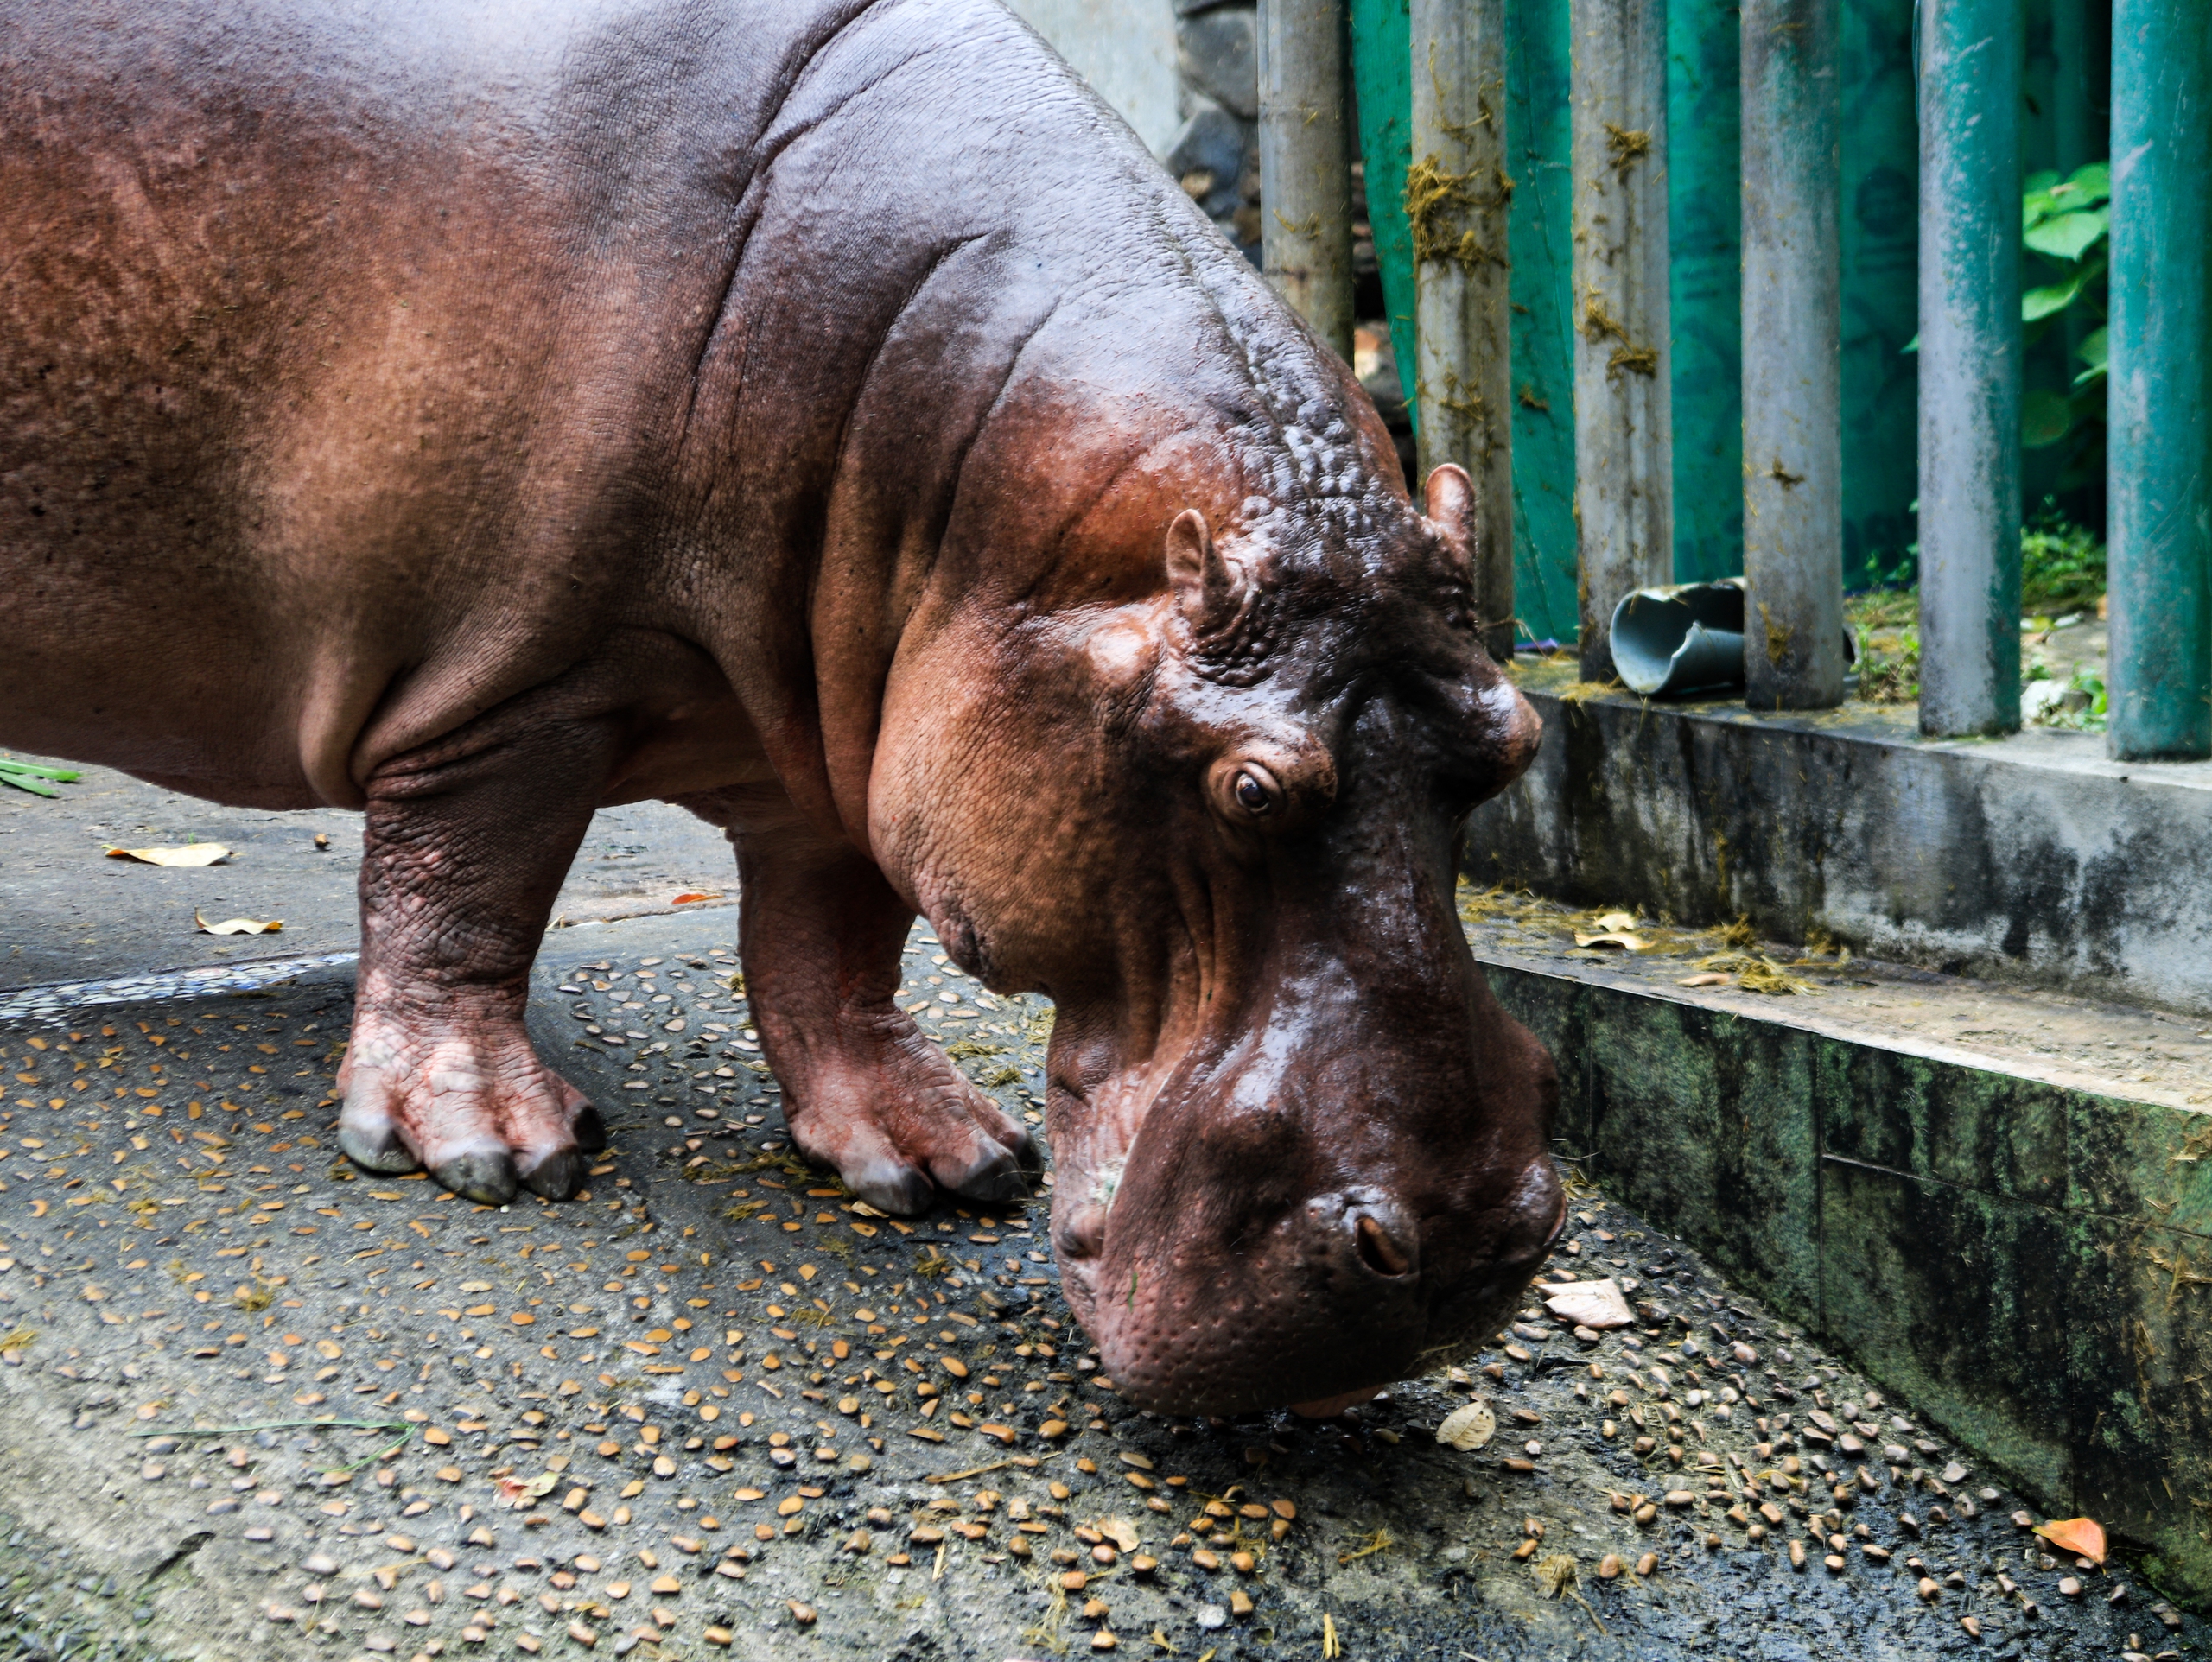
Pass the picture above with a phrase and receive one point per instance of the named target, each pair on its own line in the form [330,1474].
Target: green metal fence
[1932,468]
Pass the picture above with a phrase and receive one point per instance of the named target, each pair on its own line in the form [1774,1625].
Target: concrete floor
[678,1417]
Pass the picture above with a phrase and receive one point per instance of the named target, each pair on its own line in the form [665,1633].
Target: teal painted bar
[1539,145]
[1381,74]
[1881,273]
[1704,252]
[2160,448]
[1970,349]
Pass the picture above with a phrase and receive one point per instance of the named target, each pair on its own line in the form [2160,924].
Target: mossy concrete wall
[2033,857]
[2029,1266]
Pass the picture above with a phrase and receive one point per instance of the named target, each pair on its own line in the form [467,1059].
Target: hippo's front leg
[865,1089]
[465,849]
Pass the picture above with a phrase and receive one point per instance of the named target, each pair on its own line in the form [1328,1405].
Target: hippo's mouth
[1316,1307]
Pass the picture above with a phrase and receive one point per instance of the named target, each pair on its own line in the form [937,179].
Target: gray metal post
[1793,355]
[1305,163]
[1970,97]
[1624,438]
[2159,452]
[1457,193]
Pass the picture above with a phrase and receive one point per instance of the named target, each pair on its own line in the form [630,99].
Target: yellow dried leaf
[237,925]
[191,853]
[1469,1427]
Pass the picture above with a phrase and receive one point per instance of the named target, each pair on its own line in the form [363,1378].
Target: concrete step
[2033,859]
[1996,1200]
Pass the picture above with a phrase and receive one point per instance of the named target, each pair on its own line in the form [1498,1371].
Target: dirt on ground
[258,1404]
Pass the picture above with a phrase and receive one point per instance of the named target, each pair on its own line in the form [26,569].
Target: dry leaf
[237,925]
[690,895]
[1468,1426]
[192,853]
[513,1492]
[1608,922]
[1710,979]
[1596,1304]
[2083,1536]
[1617,939]
[1120,1530]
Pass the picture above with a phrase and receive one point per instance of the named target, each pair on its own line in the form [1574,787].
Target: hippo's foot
[894,1116]
[469,1102]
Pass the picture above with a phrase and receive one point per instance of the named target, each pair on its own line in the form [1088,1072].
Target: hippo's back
[359,358]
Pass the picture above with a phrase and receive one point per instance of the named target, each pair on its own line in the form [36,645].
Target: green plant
[2066,224]
[2062,565]
[29,776]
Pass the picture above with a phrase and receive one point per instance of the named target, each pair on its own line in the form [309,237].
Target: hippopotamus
[825,415]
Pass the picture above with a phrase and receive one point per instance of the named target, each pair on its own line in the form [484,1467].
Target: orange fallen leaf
[1709,978]
[2083,1536]
[690,895]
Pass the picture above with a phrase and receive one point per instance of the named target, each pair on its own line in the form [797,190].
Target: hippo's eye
[1252,796]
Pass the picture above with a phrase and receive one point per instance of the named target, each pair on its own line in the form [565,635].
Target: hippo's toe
[996,1176]
[376,1147]
[891,1186]
[590,1130]
[485,1176]
[556,1177]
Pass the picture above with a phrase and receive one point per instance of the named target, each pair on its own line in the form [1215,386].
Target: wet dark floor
[258,1404]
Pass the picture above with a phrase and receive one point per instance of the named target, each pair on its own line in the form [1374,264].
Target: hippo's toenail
[900,1190]
[374,1152]
[590,1130]
[485,1177]
[556,1175]
[996,1178]
[1378,1250]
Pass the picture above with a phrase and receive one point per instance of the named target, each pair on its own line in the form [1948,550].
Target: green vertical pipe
[1704,243]
[1881,171]
[1970,64]
[1382,81]
[1463,386]
[1793,302]
[1624,403]
[1539,138]
[2160,459]
[1305,163]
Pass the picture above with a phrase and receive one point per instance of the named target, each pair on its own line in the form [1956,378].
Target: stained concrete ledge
[2025,1257]
[2033,858]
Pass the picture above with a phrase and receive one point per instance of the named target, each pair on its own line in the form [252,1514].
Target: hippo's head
[1215,812]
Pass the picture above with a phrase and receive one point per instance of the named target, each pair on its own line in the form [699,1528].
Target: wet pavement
[258,1404]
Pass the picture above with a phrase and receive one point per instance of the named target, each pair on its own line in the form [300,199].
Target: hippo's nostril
[1377,1250]
[1082,1233]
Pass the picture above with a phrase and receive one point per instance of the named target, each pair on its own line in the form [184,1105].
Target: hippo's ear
[1449,503]
[1205,583]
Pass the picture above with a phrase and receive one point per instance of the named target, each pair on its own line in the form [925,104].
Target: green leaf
[2037,182]
[2044,418]
[2093,181]
[2039,303]
[2069,236]
[24,782]
[67,775]
[2095,350]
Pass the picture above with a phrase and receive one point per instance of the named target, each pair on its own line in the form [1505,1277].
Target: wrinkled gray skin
[825,415]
